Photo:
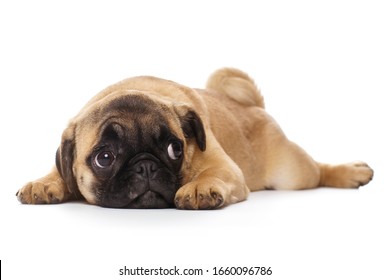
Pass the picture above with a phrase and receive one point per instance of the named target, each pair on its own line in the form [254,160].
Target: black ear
[193,127]
[64,163]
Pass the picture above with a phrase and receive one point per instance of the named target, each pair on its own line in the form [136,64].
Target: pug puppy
[146,142]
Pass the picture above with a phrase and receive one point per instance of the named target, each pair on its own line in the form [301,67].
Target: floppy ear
[193,127]
[64,159]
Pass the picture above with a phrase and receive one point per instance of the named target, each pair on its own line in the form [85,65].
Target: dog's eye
[104,159]
[175,150]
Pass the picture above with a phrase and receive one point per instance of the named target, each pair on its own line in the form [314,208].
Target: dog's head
[129,149]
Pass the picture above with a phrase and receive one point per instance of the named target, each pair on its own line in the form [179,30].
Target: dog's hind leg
[349,175]
[294,169]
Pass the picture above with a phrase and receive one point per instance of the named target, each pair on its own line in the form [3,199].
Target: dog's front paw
[47,190]
[205,194]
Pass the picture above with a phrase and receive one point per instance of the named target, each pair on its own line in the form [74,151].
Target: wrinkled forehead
[137,113]
[122,105]
[134,118]
[132,104]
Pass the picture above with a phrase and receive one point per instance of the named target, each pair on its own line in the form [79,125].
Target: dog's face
[129,150]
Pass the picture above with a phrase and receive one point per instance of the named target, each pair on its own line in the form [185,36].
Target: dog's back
[254,140]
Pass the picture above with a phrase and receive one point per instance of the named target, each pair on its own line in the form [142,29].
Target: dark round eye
[104,159]
[175,150]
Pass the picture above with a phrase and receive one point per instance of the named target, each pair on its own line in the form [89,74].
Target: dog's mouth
[149,199]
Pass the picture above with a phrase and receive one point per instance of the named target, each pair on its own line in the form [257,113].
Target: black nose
[146,168]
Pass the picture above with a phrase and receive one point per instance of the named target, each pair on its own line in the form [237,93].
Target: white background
[324,70]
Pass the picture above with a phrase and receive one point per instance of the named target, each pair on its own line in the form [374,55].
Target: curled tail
[237,85]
